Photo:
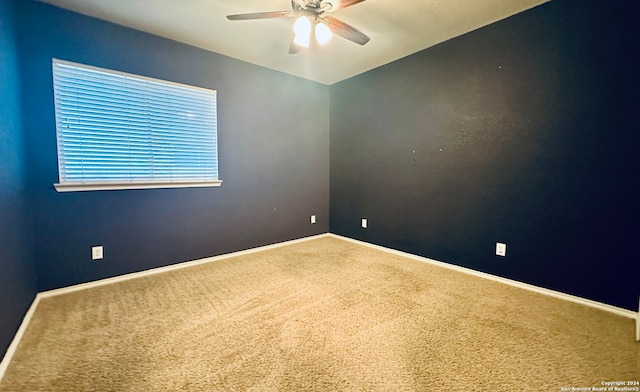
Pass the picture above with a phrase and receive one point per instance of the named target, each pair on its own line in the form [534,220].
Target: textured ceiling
[396,29]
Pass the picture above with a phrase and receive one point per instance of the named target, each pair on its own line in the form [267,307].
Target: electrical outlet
[96,252]
[501,249]
[364,223]
[313,219]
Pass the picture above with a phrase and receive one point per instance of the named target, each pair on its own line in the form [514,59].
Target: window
[122,131]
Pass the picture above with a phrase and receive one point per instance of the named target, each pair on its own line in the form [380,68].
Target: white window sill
[78,187]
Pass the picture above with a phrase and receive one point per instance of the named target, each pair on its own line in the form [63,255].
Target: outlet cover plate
[96,252]
[501,249]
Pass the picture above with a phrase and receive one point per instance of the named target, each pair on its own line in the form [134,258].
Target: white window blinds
[121,131]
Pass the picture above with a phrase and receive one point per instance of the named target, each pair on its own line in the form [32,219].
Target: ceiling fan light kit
[323,33]
[310,20]
[303,32]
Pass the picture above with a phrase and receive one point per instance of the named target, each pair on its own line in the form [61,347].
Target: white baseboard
[638,322]
[572,298]
[16,339]
[83,286]
[173,267]
[27,318]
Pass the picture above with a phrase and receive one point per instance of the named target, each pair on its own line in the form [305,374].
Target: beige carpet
[321,315]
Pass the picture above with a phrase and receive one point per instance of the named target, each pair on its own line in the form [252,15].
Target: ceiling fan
[312,21]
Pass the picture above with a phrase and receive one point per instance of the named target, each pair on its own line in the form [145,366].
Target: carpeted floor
[321,315]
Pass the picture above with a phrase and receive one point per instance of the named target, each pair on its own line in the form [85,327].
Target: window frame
[94,183]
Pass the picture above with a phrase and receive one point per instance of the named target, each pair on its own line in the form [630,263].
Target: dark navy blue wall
[17,275]
[523,132]
[274,156]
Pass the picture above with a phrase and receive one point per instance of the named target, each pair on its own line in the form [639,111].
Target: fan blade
[340,4]
[259,15]
[293,47]
[345,31]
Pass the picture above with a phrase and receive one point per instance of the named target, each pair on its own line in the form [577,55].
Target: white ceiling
[397,28]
